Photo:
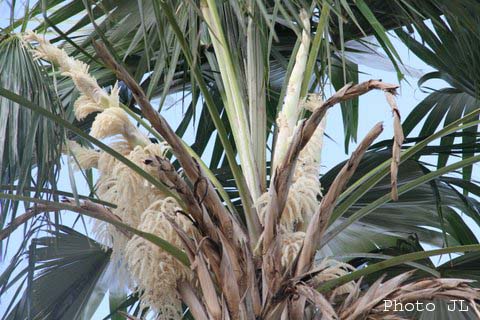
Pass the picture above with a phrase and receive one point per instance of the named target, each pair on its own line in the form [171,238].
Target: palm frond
[28,141]
[65,266]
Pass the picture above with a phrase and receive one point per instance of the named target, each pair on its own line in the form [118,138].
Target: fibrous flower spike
[291,244]
[92,97]
[302,200]
[132,195]
[288,116]
[286,121]
[154,271]
[305,190]
[113,120]
[85,158]
[139,204]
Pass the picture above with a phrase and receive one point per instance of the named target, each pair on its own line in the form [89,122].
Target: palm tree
[240,224]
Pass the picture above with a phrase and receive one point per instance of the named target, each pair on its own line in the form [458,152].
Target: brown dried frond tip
[398,138]
[371,303]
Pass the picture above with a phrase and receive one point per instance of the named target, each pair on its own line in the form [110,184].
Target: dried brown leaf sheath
[397,142]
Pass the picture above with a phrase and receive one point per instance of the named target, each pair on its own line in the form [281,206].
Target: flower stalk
[288,116]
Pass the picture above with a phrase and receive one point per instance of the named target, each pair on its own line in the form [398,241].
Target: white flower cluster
[151,271]
[156,271]
[93,98]
[112,120]
[84,158]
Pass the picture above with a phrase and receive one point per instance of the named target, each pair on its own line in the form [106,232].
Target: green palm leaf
[27,140]
[63,268]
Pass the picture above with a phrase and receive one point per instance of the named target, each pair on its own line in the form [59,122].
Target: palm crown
[243,223]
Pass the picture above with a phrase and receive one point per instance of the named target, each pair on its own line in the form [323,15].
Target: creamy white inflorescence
[148,269]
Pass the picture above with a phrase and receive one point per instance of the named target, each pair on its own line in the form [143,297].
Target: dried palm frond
[397,142]
[329,269]
[321,304]
[370,304]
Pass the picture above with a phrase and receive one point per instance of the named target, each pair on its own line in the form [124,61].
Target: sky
[373,109]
